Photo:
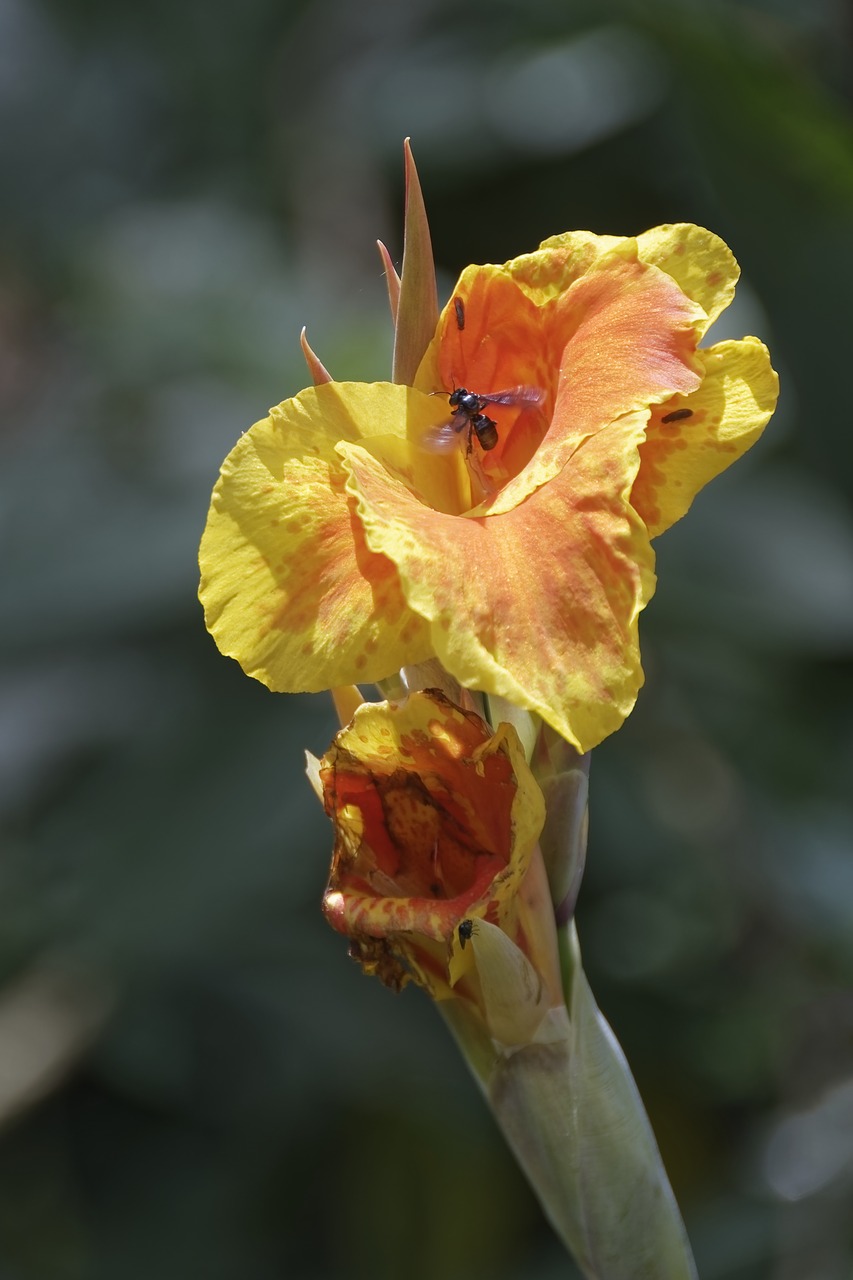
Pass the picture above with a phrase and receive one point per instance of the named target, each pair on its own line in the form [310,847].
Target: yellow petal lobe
[289,586]
[691,439]
[700,263]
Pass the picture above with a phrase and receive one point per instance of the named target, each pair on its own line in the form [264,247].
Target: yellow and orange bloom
[339,549]
[436,825]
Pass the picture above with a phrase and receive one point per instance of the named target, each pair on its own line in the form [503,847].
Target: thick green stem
[569,1108]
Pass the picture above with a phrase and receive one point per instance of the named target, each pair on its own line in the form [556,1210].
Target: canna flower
[436,875]
[340,547]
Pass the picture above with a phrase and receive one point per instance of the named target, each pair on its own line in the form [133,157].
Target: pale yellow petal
[700,263]
[289,585]
[691,439]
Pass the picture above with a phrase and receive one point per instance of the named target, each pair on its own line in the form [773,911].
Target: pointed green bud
[417,308]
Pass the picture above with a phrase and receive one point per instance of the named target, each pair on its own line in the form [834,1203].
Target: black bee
[467,413]
[466,928]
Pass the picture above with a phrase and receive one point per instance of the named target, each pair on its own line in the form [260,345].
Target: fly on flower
[677,415]
[466,931]
[467,413]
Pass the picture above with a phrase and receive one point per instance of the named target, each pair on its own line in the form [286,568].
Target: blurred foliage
[195,1080]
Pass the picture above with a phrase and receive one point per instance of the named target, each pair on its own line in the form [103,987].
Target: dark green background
[197,1084]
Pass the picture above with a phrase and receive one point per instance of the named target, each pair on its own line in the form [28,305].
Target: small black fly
[677,415]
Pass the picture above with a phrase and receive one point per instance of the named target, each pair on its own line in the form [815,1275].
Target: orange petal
[499,346]
[619,338]
[538,604]
[624,338]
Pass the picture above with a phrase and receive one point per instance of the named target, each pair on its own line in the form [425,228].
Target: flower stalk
[571,1113]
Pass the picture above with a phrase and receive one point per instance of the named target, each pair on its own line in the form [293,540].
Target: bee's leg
[482,485]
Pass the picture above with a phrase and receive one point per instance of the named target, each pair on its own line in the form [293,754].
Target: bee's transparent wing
[443,438]
[522,397]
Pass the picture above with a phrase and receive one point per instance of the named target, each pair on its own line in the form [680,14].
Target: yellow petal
[691,439]
[559,261]
[538,604]
[289,586]
[700,263]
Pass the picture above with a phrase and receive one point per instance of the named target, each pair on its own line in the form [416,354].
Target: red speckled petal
[435,820]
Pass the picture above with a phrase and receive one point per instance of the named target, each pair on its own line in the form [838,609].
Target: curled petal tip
[319,372]
[312,769]
[392,279]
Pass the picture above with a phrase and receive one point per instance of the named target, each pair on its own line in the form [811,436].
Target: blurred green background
[195,1081]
